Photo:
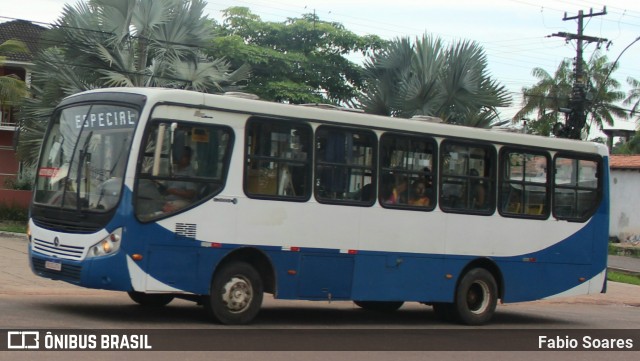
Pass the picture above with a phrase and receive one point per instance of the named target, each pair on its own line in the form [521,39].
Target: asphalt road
[28,302]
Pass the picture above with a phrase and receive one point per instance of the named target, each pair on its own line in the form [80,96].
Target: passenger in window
[398,194]
[419,195]
[179,194]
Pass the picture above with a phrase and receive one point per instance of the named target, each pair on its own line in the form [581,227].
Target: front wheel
[150,300]
[476,297]
[236,294]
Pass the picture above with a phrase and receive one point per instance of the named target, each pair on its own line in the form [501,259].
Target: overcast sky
[512,32]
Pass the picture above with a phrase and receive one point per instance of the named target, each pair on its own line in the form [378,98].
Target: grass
[623,278]
[13,226]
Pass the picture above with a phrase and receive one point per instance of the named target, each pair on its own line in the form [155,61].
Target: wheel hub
[237,294]
[478,297]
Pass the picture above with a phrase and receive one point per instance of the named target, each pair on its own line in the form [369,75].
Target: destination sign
[48,172]
[112,119]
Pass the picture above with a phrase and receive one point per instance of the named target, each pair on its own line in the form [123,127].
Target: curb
[624,271]
[13,234]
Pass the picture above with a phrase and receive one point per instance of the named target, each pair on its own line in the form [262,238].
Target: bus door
[182,172]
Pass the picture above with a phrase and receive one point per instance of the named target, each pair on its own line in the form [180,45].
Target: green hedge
[619,250]
[13,213]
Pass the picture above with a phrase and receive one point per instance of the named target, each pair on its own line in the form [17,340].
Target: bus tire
[236,294]
[379,306]
[476,297]
[149,299]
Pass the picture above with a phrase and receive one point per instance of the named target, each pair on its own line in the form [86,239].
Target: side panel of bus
[324,251]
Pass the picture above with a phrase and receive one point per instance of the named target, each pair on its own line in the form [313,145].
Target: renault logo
[56,242]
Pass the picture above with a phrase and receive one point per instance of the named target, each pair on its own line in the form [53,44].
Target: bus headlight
[108,245]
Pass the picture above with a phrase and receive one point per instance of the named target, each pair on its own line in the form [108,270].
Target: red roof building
[624,161]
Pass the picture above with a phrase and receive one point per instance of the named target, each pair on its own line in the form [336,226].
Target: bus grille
[60,251]
[69,273]
[65,226]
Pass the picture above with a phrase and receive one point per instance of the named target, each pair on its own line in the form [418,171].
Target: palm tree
[633,97]
[550,97]
[383,72]
[106,43]
[12,89]
[428,78]
[547,98]
[633,100]
[602,93]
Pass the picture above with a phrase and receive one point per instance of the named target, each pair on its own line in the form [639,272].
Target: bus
[219,199]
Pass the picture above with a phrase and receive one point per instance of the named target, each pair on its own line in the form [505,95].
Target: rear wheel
[476,297]
[150,300]
[236,294]
[379,306]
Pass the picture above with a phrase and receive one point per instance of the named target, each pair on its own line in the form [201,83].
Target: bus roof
[349,118]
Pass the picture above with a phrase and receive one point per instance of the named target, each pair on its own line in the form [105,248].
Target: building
[625,183]
[622,130]
[18,64]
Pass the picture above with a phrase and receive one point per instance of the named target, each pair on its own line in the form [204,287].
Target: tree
[428,78]
[633,97]
[633,100]
[603,94]
[106,43]
[12,89]
[301,60]
[550,97]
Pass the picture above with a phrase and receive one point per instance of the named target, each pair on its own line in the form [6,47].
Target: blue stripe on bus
[367,275]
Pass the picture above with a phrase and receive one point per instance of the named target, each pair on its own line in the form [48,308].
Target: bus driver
[179,194]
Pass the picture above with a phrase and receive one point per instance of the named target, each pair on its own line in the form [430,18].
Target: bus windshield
[84,158]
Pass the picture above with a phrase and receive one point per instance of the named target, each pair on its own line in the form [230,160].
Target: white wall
[625,204]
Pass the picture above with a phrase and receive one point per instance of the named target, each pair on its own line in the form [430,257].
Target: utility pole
[577,116]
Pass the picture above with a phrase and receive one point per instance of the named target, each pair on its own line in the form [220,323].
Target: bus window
[467,178]
[180,165]
[85,156]
[345,165]
[278,159]
[576,188]
[406,168]
[524,184]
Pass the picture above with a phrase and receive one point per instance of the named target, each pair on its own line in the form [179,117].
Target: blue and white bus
[219,199]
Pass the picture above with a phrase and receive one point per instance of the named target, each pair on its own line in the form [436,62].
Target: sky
[514,33]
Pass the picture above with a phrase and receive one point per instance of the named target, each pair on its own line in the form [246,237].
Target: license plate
[55,266]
